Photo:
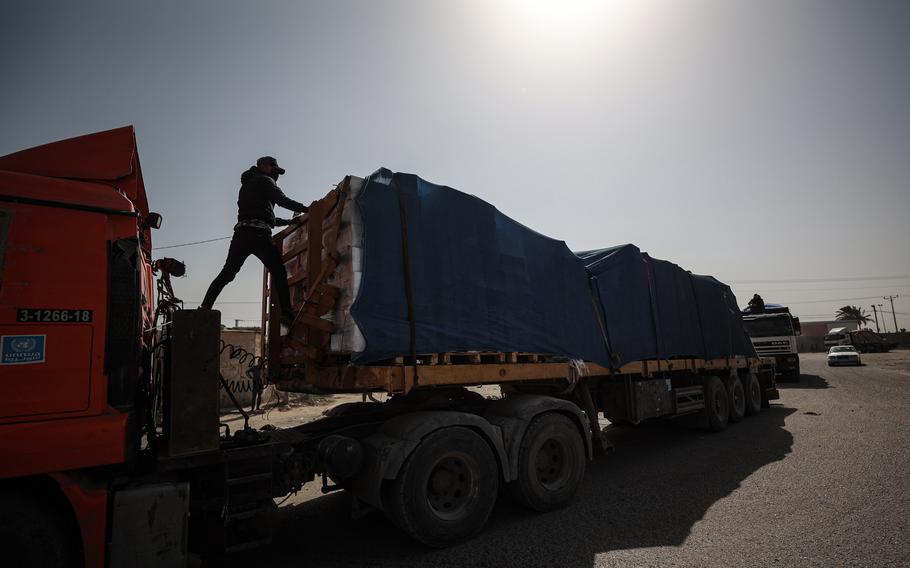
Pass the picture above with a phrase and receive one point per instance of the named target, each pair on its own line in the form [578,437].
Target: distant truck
[773,334]
[865,340]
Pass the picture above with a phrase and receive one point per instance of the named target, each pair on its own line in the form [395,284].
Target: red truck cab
[75,298]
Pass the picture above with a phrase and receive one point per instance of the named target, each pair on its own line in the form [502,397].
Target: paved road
[822,478]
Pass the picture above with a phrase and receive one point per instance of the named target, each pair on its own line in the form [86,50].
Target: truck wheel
[551,463]
[446,489]
[753,394]
[717,404]
[737,397]
[34,532]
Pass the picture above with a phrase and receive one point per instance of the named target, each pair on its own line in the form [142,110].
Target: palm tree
[852,313]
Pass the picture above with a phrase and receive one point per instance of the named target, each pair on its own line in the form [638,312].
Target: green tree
[853,313]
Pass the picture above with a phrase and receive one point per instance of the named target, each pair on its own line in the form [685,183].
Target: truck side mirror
[153,221]
[170,266]
[797,327]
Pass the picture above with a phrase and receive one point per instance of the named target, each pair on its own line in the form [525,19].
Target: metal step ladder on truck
[109,426]
[773,333]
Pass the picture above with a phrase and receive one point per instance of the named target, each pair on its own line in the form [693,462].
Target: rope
[408,287]
[599,311]
[655,316]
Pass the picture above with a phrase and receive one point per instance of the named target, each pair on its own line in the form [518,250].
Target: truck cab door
[52,287]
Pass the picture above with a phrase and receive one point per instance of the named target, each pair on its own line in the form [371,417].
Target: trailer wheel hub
[551,464]
[450,488]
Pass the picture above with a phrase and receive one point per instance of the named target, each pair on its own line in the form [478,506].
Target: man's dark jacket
[258,196]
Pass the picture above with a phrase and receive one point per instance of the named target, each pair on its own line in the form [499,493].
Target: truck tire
[737,397]
[551,463]
[446,489]
[753,394]
[35,533]
[717,404]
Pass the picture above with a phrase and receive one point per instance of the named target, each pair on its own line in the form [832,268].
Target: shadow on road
[805,382]
[650,492]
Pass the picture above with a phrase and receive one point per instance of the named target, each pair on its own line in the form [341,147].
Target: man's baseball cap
[271,161]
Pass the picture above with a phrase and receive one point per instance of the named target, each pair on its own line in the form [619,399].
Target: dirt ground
[301,409]
[306,408]
[897,360]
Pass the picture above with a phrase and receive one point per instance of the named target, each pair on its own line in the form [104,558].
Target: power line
[832,300]
[785,303]
[733,281]
[830,279]
[839,289]
[190,244]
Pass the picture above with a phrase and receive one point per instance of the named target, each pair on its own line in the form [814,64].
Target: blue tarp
[619,276]
[477,280]
[677,311]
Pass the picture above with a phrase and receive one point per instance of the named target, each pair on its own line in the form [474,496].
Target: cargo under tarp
[444,271]
[473,278]
[656,310]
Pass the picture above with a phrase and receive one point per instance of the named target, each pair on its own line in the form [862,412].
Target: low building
[813,334]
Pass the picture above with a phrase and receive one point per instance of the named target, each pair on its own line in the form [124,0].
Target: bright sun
[573,24]
[559,15]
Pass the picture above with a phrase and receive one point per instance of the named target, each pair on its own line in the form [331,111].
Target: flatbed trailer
[427,456]
[476,369]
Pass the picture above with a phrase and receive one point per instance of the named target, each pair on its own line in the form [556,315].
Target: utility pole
[884,324]
[876,318]
[891,298]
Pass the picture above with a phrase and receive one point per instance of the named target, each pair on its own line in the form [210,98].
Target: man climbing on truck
[259,193]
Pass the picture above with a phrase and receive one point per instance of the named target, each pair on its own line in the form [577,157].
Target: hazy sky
[755,141]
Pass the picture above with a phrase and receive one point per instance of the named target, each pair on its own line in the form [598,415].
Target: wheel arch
[387,450]
[47,490]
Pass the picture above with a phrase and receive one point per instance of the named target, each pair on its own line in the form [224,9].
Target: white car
[843,355]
